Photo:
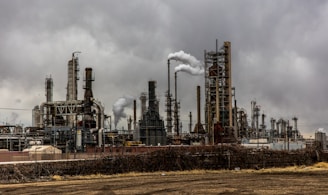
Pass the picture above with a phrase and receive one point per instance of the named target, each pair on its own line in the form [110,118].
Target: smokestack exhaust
[198,127]
[168,101]
[119,106]
[135,114]
[176,109]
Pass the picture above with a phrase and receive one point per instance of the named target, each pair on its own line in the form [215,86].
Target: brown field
[290,180]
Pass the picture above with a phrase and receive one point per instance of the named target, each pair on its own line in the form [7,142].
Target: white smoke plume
[189,63]
[184,58]
[118,108]
[189,69]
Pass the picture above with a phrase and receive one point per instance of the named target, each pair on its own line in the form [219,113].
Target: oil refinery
[74,125]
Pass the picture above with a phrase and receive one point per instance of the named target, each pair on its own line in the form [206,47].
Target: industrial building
[73,125]
[151,126]
[218,93]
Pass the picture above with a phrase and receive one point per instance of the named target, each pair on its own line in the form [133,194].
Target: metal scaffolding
[218,92]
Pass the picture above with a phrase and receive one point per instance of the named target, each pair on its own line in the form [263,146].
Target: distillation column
[49,98]
[73,77]
[168,103]
[88,94]
[218,91]
[295,130]
[176,107]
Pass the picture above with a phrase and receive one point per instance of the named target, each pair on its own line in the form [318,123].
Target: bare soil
[187,182]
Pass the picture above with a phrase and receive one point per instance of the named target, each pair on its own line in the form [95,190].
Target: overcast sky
[279,52]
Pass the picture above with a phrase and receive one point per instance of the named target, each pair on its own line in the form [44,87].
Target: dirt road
[194,182]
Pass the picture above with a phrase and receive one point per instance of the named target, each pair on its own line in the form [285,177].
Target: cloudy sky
[279,54]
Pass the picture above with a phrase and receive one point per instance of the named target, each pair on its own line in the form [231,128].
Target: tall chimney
[176,109]
[190,122]
[143,99]
[152,96]
[263,122]
[198,104]
[49,89]
[88,95]
[295,122]
[198,127]
[168,102]
[49,92]
[134,114]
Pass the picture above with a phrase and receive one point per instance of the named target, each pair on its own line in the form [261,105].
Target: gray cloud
[278,51]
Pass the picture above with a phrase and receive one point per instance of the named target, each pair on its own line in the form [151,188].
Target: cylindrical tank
[100,137]
[321,138]
[79,139]
[36,116]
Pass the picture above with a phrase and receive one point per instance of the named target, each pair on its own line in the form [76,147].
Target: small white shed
[42,149]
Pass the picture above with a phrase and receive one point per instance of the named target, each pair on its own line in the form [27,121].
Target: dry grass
[57,177]
[321,166]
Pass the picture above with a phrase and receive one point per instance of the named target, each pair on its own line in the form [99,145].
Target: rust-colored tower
[218,93]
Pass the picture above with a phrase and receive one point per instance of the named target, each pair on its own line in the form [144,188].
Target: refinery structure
[74,125]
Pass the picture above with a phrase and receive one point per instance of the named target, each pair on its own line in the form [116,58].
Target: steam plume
[118,108]
[189,63]
[189,69]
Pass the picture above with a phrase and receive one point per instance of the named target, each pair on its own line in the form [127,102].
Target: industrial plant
[77,126]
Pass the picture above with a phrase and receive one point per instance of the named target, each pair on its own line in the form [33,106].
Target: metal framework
[218,89]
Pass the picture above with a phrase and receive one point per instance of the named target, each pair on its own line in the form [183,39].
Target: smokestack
[190,122]
[263,122]
[88,95]
[143,99]
[134,114]
[49,89]
[49,92]
[152,96]
[295,123]
[198,127]
[176,110]
[88,83]
[198,104]
[168,102]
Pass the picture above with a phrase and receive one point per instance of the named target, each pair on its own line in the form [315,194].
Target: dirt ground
[188,182]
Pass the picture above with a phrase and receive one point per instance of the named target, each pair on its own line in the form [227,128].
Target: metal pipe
[100,113]
[100,137]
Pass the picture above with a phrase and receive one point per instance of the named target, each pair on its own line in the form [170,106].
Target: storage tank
[320,136]
[79,139]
